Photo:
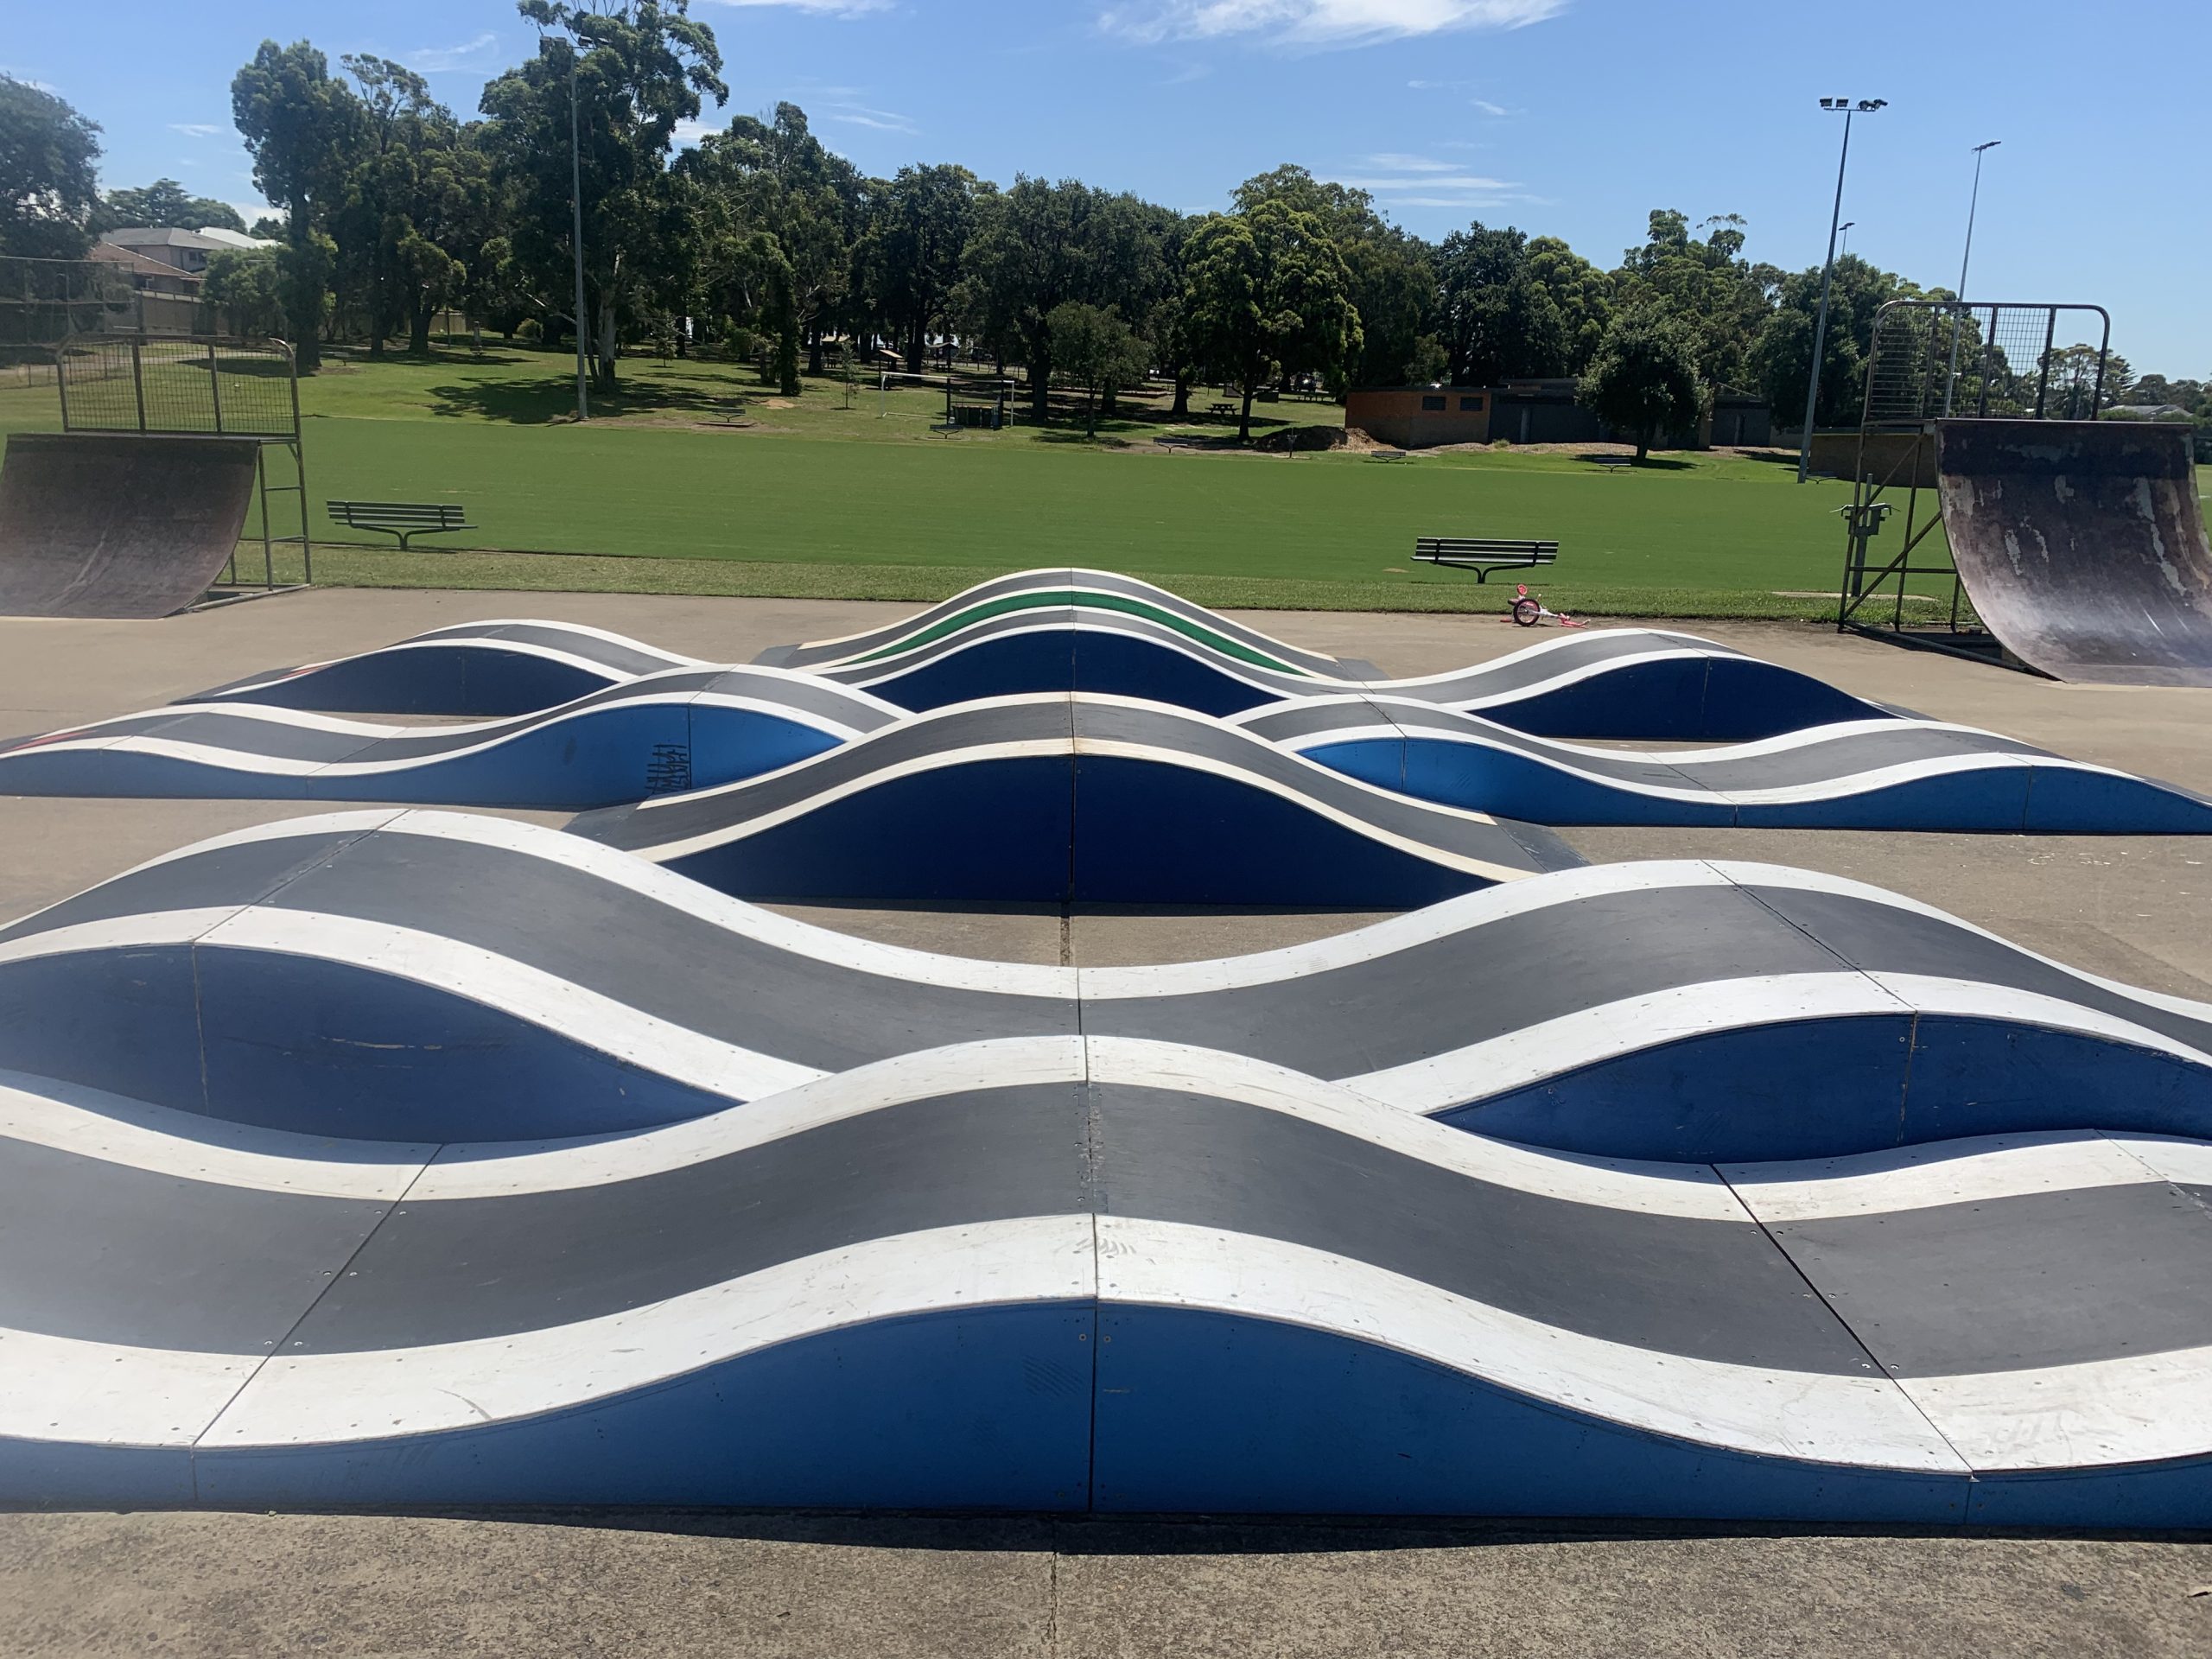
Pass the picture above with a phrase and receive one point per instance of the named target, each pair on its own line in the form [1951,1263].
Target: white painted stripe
[2138,1408]
[1973,999]
[91,1123]
[878,672]
[1552,1047]
[306,1399]
[1863,1421]
[1465,914]
[727,835]
[503,1169]
[1368,828]
[1981,1170]
[106,1393]
[2170,1158]
[581,630]
[765,927]
[1691,1190]
[1747,874]
[236,762]
[151,927]
[528,993]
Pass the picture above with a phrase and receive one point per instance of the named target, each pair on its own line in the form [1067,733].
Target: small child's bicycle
[1529,610]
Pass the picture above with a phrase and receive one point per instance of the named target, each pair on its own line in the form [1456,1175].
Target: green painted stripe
[1042,599]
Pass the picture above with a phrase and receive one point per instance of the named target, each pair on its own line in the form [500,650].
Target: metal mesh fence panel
[117,383]
[1933,358]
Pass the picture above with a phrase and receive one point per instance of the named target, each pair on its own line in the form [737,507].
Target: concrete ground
[2134,908]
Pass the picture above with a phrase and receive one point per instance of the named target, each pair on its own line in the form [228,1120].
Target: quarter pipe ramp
[96,525]
[2082,544]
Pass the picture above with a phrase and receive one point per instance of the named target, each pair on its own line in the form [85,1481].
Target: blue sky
[1569,116]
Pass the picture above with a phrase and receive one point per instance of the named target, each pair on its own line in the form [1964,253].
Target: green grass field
[849,493]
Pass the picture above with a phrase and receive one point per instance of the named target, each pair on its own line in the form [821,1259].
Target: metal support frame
[1908,402]
[270,428]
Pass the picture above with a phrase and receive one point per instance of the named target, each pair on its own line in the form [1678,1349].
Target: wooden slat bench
[402,518]
[1482,554]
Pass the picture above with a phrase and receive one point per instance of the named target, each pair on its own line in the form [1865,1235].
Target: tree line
[392,208]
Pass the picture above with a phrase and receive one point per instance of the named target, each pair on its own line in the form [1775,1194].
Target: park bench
[1221,408]
[1482,554]
[1389,455]
[1611,463]
[400,518]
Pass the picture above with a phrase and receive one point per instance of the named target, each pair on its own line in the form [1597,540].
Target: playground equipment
[137,508]
[2079,543]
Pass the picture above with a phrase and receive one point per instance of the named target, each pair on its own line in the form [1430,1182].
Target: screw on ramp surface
[96,525]
[2082,545]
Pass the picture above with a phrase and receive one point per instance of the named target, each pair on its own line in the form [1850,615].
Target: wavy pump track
[770,1216]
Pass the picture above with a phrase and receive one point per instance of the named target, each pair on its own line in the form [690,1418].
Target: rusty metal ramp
[2082,546]
[99,524]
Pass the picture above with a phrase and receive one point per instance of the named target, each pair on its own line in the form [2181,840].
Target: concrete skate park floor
[2133,908]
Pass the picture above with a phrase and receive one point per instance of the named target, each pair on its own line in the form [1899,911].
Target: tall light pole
[576,228]
[1843,248]
[1864,106]
[1951,379]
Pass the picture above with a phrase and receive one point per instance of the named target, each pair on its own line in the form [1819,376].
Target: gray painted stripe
[106,1252]
[659,959]
[235,874]
[2018,1282]
[1885,939]
[1482,983]
[728,809]
[444,1271]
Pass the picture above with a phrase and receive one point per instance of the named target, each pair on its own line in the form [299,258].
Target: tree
[775,178]
[912,247]
[1094,346]
[1042,243]
[1782,354]
[1393,273]
[640,67]
[1706,283]
[1643,377]
[48,187]
[249,284]
[1268,289]
[1581,293]
[1498,321]
[396,180]
[302,130]
[164,202]
[1028,255]
[2076,389]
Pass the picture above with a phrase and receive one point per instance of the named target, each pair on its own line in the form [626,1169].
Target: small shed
[1419,417]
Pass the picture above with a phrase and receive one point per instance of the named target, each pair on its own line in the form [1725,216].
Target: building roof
[111,253]
[168,236]
[234,239]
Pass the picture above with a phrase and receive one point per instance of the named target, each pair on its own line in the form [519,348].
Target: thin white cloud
[1489,108]
[438,60]
[195,129]
[859,115]
[1466,181]
[1395,163]
[689,133]
[1317,22]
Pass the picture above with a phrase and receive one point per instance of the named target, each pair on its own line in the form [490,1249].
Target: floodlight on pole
[1843,248]
[1974,202]
[1865,106]
[576,228]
